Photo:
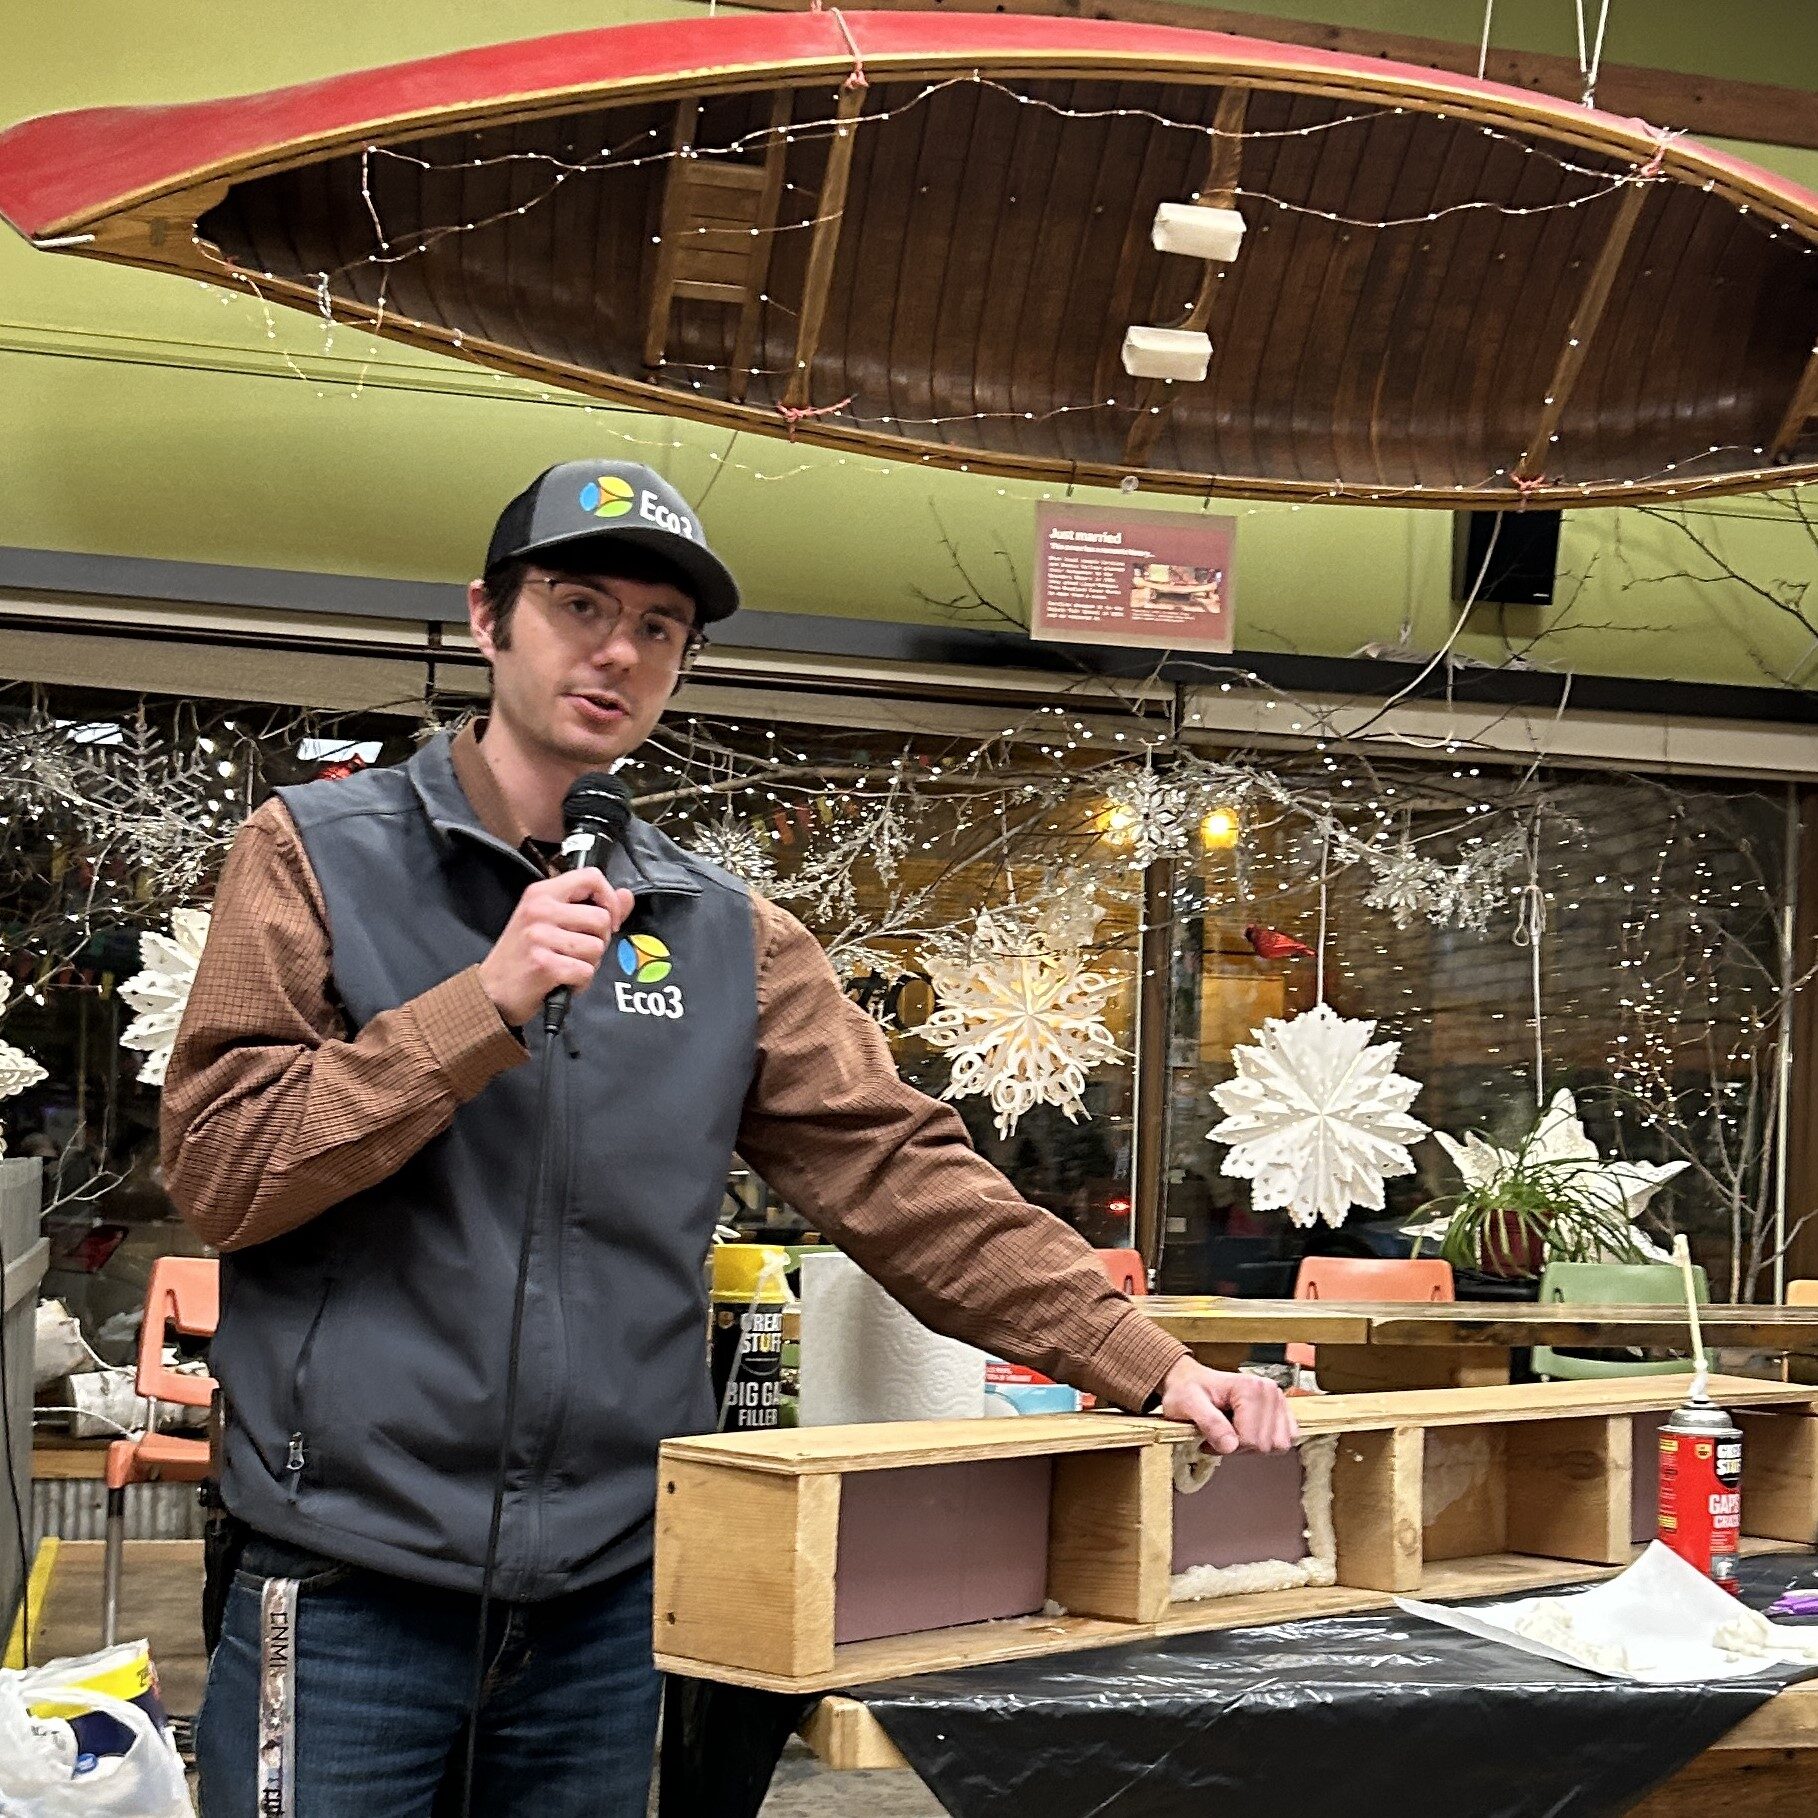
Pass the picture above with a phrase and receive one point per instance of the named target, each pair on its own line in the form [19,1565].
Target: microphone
[596,811]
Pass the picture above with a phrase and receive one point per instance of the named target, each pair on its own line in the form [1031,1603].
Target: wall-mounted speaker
[1517,553]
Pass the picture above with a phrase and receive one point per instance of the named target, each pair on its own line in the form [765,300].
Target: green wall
[153,416]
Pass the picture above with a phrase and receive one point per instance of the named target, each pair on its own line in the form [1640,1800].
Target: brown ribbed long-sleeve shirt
[272,1113]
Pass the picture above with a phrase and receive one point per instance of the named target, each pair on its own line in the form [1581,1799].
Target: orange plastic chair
[1368,1278]
[1124,1270]
[184,1294]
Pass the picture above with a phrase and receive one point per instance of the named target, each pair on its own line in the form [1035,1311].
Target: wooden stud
[1109,1533]
[1582,329]
[1780,1477]
[1569,1489]
[745,1568]
[829,210]
[1376,1508]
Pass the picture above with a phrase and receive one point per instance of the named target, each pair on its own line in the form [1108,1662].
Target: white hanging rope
[1319,960]
[1530,932]
[1589,65]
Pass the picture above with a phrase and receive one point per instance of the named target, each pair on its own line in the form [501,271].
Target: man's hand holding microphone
[556,937]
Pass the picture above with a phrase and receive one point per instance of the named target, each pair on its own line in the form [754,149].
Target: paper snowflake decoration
[17,1069]
[1150,816]
[1561,1146]
[1407,885]
[161,991]
[1465,895]
[1317,1117]
[1024,1022]
[736,846]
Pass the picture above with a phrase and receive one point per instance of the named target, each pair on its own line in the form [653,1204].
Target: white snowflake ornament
[1023,1022]
[736,846]
[1317,1117]
[1406,884]
[161,992]
[1149,816]
[17,1068]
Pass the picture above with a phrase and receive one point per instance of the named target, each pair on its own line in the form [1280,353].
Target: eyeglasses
[659,630]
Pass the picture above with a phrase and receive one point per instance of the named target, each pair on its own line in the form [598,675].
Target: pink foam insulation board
[940,1545]
[1250,1510]
[1645,1491]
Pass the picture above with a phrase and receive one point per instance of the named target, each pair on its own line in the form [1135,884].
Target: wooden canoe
[924,235]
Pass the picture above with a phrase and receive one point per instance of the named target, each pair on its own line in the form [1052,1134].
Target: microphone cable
[596,810]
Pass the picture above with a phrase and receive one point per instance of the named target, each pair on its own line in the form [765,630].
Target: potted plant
[1552,1198]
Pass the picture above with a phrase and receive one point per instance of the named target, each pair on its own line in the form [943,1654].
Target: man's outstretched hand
[1234,1413]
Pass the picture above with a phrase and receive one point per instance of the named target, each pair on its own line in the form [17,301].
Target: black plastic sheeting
[1346,1717]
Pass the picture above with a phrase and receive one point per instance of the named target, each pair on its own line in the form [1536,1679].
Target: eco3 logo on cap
[646,961]
[607,497]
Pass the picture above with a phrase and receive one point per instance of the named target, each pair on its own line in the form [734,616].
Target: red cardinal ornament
[1271,943]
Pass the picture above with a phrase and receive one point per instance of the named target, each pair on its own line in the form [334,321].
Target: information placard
[1159,579]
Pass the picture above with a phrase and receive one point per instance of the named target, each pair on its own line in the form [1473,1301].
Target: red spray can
[1701,1488]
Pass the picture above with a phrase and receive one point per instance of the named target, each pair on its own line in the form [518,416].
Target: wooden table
[1458,1344]
[1767,1766]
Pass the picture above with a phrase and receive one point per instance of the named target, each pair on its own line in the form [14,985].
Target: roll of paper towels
[866,1357]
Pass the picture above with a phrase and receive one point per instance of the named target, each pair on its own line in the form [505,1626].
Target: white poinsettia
[1562,1149]
[160,993]
[1317,1117]
[17,1069]
[1022,1018]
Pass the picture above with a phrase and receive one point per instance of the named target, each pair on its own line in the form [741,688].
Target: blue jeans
[383,1682]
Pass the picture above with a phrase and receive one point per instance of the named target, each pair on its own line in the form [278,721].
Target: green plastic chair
[1612,1285]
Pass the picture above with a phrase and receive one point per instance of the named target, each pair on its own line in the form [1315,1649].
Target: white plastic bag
[35,1779]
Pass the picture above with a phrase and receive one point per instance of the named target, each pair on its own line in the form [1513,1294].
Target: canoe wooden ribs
[837,1556]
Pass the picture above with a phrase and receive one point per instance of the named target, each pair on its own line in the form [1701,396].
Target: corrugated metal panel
[76,1509]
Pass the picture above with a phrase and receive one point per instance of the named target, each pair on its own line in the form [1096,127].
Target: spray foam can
[1701,1488]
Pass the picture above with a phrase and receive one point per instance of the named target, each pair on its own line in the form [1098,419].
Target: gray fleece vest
[363,1356]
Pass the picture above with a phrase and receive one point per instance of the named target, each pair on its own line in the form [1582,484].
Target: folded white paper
[1662,1622]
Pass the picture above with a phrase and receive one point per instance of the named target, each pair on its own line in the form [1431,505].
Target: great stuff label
[748,1355]
[1701,1489]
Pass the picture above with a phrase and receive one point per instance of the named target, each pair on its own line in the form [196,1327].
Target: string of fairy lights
[889,846]
[1688,474]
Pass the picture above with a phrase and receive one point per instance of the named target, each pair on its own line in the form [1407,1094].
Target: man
[353,1116]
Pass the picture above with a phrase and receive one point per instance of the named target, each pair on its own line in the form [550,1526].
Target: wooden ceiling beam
[830,206]
[1154,397]
[1802,409]
[1592,303]
[1711,106]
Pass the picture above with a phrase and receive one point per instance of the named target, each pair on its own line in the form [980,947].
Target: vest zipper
[295,1458]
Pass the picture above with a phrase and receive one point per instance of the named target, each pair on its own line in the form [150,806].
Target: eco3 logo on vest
[607,497]
[645,960]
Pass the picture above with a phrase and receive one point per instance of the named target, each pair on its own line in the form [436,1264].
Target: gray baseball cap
[568,510]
